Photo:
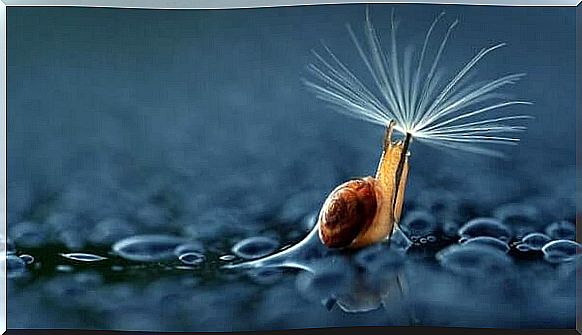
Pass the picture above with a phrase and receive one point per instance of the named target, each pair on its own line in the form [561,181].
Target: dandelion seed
[446,109]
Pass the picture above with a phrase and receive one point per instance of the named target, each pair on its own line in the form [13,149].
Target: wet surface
[178,196]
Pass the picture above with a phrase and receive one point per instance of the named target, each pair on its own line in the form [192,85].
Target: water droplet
[523,247]
[423,240]
[535,241]
[255,247]
[83,257]
[28,259]
[15,266]
[418,223]
[561,230]
[487,241]
[191,258]
[485,227]
[474,260]
[560,251]
[147,248]
[431,239]
[227,257]
[189,247]
[29,234]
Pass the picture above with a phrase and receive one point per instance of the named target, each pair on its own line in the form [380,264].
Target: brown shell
[348,211]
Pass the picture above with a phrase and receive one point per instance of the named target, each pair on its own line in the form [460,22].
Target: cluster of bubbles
[446,253]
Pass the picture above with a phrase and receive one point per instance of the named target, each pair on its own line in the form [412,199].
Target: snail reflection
[410,95]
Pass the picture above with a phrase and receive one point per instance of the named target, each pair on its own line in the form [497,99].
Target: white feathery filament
[451,113]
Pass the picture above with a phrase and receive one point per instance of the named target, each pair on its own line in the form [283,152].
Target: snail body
[364,211]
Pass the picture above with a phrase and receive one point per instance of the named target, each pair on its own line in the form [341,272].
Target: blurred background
[195,124]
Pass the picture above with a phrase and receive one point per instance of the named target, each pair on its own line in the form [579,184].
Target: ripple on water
[561,230]
[255,247]
[485,226]
[487,241]
[147,248]
[534,241]
[15,266]
[191,258]
[560,251]
[83,257]
[418,224]
[474,260]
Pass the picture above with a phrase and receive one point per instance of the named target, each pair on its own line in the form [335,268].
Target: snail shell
[351,214]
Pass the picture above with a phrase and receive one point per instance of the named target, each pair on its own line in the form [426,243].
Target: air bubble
[485,227]
[560,251]
[28,259]
[192,258]
[535,241]
[83,257]
[147,248]
[189,247]
[487,241]
[418,224]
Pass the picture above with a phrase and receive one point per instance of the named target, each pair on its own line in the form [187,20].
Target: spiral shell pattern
[348,211]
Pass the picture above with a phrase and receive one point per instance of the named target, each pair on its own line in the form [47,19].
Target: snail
[365,210]
[423,102]
[415,102]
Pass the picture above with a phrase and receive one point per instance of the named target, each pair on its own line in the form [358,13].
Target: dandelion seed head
[447,109]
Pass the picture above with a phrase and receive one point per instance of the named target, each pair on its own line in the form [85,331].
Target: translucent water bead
[534,241]
[418,224]
[83,257]
[255,247]
[485,227]
[487,241]
[561,251]
[147,248]
[191,258]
